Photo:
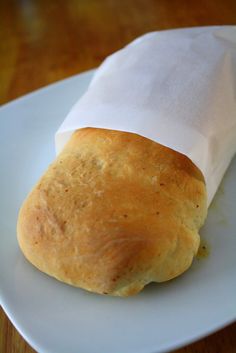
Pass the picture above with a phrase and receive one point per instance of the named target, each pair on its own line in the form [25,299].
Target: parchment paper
[176,87]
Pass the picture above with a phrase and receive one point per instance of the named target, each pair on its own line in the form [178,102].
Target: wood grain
[45,41]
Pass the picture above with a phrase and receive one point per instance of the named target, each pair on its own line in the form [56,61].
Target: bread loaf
[114,212]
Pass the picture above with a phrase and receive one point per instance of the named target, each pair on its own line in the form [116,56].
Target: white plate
[56,318]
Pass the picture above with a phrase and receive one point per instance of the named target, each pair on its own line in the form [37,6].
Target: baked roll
[114,212]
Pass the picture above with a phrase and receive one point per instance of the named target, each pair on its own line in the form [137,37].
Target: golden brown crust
[114,212]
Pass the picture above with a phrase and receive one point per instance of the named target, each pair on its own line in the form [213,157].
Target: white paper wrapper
[176,87]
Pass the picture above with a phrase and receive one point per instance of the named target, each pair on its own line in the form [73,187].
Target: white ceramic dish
[56,318]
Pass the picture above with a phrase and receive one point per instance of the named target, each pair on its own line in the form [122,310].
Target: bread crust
[114,212]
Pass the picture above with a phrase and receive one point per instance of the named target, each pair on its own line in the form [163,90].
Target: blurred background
[45,41]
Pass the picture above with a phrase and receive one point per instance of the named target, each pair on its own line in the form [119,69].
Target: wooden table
[45,41]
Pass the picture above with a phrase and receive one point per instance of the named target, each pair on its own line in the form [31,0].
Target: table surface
[45,41]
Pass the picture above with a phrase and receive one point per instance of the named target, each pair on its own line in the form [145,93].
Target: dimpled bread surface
[114,212]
